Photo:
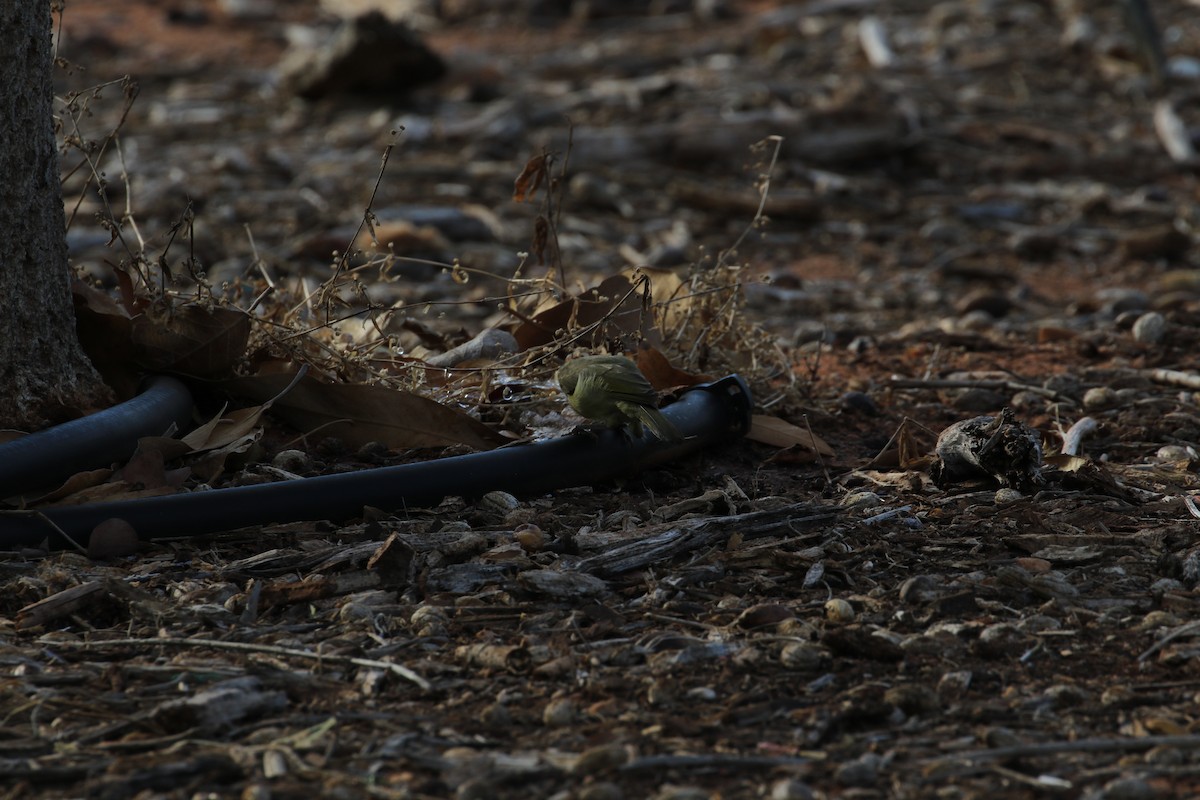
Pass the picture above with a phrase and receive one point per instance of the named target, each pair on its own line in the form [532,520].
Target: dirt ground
[970,206]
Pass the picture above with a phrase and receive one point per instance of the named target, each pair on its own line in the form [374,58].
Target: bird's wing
[625,384]
[653,419]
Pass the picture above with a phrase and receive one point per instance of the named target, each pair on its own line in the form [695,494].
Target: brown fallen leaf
[661,373]
[359,414]
[192,340]
[780,433]
[526,185]
[614,300]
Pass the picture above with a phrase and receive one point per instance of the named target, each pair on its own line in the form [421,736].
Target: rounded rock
[1150,328]
[1099,397]
[839,611]
[803,657]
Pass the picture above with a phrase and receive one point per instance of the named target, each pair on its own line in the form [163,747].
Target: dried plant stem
[250,647]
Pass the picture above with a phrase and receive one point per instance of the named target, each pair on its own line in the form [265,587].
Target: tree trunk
[44,375]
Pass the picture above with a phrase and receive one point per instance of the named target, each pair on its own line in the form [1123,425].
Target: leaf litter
[757,623]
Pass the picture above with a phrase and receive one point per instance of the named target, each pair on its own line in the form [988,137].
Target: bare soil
[990,218]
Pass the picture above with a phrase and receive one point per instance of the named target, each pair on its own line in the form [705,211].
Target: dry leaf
[779,433]
[613,301]
[360,414]
[192,340]
[660,372]
[531,177]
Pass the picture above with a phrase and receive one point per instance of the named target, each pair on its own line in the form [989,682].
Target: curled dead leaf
[780,433]
[359,414]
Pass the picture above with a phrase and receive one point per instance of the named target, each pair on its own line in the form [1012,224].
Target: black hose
[705,415]
[44,459]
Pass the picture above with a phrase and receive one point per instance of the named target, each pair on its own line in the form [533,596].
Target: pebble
[1126,788]
[558,713]
[1028,401]
[953,685]
[602,758]
[803,656]
[1064,384]
[862,772]
[499,501]
[294,461]
[791,789]
[862,500]
[1006,496]
[1174,452]
[858,403]
[1150,328]
[913,698]
[601,791]
[1099,397]
[978,400]
[681,793]
[1065,695]
[839,610]
[1000,640]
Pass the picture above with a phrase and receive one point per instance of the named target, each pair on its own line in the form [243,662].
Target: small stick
[1094,745]
[1074,435]
[1188,380]
[250,647]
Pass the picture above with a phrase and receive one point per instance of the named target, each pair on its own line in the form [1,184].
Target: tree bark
[44,374]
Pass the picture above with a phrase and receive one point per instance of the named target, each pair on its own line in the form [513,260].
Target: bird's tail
[652,418]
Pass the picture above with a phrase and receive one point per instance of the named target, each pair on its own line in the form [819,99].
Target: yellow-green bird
[612,390]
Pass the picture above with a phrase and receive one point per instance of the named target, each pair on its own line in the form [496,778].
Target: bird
[613,391]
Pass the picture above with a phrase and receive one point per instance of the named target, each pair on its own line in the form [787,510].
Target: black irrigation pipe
[706,415]
[47,458]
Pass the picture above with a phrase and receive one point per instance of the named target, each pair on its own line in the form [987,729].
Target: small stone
[1159,619]
[1127,788]
[1173,453]
[294,461]
[1034,243]
[476,789]
[372,453]
[862,500]
[496,717]
[113,538]
[531,538]
[1065,695]
[791,789]
[803,657]
[1150,328]
[1028,401]
[977,320]
[603,790]
[860,345]
[858,403]
[1001,737]
[862,772]
[681,793]
[921,589]
[953,685]
[559,713]
[501,502]
[913,698]
[602,758]
[1099,397]
[1007,496]
[1117,300]
[1000,640]
[839,611]
[977,400]
[1063,383]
